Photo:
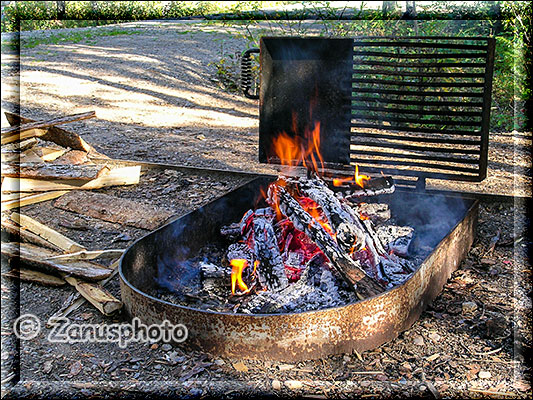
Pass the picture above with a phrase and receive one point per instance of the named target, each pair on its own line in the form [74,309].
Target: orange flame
[358,179]
[314,210]
[295,150]
[237,266]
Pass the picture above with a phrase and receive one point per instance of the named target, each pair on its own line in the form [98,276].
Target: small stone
[200,137]
[418,340]
[285,367]
[166,347]
[47,366]
[469,307]
[484,374]
[293,385]
[276,385]
[435,336]
[406,367]
[346,358]
[154,346]
[240,366]
[157,366]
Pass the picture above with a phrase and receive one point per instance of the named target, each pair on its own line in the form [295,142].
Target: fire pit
[297,267]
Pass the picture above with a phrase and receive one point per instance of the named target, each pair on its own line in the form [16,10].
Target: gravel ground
[157,99]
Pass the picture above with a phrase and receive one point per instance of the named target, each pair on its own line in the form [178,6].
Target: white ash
[396,238]
[209,270]
[377,212]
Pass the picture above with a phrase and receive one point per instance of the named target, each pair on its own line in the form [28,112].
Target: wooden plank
[55,134]
[46,233]
[46,123]
[104,301]
[54,171]
[25,200]
[26,236]
[114,209]
[115,177]
[18,136]
[29,275]
[36,257]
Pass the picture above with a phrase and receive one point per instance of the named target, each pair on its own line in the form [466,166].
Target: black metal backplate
[305,81]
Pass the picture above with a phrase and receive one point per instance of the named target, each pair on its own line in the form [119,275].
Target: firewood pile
[40,162]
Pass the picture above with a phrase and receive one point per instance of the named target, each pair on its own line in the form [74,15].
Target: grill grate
[420,106]
[405,106]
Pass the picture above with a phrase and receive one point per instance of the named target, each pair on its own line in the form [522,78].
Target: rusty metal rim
[383,294]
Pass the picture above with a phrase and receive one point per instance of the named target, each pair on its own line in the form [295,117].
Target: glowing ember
[358,179]
[316,212]
[237,266]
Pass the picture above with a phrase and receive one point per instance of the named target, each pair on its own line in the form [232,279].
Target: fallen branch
[30,275]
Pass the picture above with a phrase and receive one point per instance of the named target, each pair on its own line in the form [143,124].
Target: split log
[46,233]
[27,199]
[54,171]
[104,301]
[20,146]
[114,209]
[271,269]
[18,136]
[73,157]
[55,134]
[75,300]
[349,269]
[88,255]
[24,127]
[373,187]
[115,177]
[25,236]
[36,257]
[29,275]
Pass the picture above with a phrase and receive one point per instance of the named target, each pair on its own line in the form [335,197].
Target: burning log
[349,235]
[271,269]
[349,269]
[372,187]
